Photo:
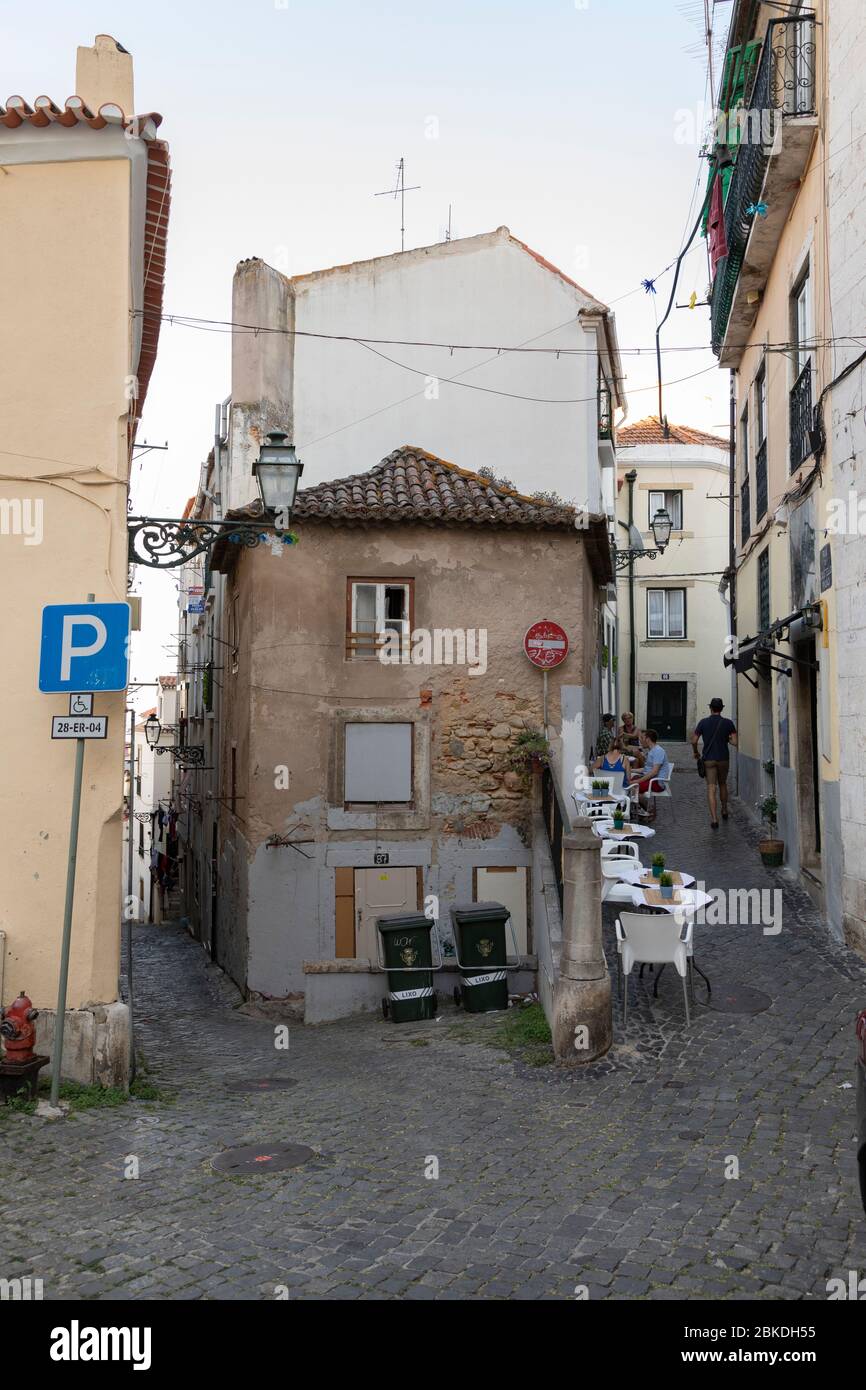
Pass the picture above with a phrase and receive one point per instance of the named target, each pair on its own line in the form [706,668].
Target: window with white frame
[666,613]
[670,502]
[378,763]
[801,323]
[375,608]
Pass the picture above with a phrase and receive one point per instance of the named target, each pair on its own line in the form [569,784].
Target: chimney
[103,75]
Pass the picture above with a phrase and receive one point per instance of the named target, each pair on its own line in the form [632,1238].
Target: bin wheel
[458,996]
[385,1008]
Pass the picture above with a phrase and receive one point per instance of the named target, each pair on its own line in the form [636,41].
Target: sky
[576,123]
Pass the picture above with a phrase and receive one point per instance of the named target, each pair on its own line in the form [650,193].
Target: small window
[234,635]
[378,763]
[375,608]
[666,613]
[761,407]
[670,502]
[764,590]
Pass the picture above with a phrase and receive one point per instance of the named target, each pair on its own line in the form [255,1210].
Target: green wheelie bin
[479,940]
[406,954]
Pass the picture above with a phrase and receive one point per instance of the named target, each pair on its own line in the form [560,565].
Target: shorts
[717,772]
[644,786]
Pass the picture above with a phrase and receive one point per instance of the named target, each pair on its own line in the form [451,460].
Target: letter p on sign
[85,646]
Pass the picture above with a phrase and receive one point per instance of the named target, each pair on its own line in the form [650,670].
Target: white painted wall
[350,407]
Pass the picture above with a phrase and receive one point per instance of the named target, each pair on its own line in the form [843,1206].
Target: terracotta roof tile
[649,431]
[412,485]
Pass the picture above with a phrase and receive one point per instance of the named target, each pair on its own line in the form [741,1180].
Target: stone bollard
[582,1012]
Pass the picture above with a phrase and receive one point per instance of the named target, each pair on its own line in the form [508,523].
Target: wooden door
[377,891]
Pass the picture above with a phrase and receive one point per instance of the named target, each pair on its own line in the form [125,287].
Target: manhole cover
[262,1158]
[261,1083]
[738,999]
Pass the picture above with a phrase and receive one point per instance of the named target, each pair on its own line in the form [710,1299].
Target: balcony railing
[800,417]
[745,511]
[784,87]
[761,481]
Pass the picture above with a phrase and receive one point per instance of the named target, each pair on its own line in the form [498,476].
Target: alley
[611,1180]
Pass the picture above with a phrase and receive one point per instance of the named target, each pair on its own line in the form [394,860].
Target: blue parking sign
[85,646]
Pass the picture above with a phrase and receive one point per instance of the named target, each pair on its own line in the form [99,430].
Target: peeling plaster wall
[294,683]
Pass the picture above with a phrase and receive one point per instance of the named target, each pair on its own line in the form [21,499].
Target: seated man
[655,772]
[606,735]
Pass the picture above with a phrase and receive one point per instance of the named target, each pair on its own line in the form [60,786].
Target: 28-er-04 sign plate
[546,644]
[79,726]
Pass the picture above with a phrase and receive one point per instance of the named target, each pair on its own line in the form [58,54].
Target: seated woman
[629,735]
[614,760]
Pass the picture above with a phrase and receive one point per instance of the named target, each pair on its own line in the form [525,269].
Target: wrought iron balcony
[761,481]
[745,510]
[784,91]
[800,417]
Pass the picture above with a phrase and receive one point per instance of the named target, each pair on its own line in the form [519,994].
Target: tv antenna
[400,190]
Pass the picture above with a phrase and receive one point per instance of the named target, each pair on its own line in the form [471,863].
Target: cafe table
[685,901]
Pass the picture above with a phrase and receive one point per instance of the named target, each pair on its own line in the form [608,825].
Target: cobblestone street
[613,1178]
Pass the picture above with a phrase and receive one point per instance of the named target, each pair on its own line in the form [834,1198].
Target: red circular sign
[546,644]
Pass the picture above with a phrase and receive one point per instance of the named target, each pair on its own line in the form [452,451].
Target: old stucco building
[350,786]
[680,623]
[83,223]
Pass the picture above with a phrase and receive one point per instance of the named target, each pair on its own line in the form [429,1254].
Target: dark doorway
[808,775]
[666,709]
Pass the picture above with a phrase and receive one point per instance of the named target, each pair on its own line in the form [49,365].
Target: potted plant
[772,850]
[666,885]
[599,786]
[530,752]
[658,865]
[618,819]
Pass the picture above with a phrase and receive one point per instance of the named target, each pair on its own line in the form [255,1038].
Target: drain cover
[261,1083]
[738,999]
[262,1158]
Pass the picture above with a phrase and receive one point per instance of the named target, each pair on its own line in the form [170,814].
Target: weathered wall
[483,289]
[846,426]
[294,684]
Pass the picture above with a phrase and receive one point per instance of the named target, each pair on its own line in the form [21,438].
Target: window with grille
[745,496]
[666,613]
[764,590]
[670,502]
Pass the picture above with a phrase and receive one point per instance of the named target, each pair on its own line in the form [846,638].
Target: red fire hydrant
[18,1029]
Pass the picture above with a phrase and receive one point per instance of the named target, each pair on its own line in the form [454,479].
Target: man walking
[717,733]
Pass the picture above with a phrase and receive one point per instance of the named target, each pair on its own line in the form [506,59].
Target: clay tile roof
[412,485]
[168,682]
[649,431]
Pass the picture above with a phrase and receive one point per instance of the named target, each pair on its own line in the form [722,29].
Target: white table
[629,832]
[630,872]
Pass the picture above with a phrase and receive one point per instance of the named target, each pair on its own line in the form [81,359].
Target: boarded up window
[378,763]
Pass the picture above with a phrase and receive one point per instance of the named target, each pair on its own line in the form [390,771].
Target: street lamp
[278,470]
[661,527]
[152,731]
[164,542]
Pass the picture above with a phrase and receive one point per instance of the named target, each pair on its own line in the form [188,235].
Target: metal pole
[129,893]
[630,478]
[66,941]
[544,698]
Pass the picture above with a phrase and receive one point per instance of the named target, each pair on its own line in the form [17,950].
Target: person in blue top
[716,734]
[655,771]
[614,760]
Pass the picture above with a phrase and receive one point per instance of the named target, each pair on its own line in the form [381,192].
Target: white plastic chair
[651,939]
[661,791]
[622,850]
[613,891]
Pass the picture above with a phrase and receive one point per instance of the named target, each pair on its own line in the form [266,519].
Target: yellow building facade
[82,243]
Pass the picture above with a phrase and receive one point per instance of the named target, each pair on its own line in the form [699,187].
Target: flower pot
[772,853]
[618,822]
[658,870]
[666,892]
